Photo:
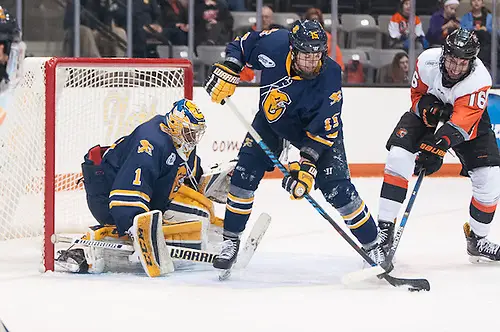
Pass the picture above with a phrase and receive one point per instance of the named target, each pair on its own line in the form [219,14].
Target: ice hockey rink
[293,282]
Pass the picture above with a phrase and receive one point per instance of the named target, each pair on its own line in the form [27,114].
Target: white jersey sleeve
[468,97]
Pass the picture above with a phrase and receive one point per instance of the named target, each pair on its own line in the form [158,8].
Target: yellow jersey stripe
[239,199]
[355,213]
[126,203]
[130,193]
[238,211]
[360,223]
[319,139]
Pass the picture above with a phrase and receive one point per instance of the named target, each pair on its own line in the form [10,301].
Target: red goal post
[61,108]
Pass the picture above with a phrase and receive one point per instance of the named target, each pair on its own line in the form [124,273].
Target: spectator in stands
[175,20]
[93,43]
[479,19]
[397,72]
[316,14]
[236,5]
[399,29]
[146,27]
[442,23]
[355,71]
[214,23]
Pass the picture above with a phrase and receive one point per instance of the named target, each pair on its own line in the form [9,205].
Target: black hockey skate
[386,235]
[480,249]
[228,253]
[377,254]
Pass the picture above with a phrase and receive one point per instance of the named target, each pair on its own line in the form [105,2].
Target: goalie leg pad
[149,243]
[186,234]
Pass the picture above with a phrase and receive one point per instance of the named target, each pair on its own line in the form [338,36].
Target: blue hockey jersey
[148,172]
[305,112]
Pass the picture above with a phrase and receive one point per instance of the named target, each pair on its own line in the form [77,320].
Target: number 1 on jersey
[137,179]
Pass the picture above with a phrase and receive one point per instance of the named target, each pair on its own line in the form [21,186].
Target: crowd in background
[165,22]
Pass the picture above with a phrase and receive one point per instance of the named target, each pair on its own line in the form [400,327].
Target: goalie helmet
[308,41]
[185,124]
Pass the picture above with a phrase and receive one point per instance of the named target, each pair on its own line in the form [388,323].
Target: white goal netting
[94,102]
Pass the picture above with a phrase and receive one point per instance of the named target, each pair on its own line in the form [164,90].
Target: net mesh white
[95,104]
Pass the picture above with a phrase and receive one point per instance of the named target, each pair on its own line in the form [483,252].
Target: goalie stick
[358,276]
[188,254]
[412,284]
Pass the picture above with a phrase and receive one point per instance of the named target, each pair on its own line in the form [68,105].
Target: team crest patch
[266,61]
[401,132]
[248,142]
[335,97]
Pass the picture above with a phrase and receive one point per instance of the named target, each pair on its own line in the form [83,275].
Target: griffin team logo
[248,142]
[145,147]
[335,97]
[401,132]
[275,104]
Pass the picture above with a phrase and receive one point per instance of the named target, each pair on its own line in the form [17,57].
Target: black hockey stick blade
[414,285]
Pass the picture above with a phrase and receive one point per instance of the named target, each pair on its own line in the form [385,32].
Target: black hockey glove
[433,110]
[222,81]
[430,156]
[301,179]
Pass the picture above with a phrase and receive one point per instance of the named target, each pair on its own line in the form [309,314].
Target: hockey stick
[414,284]
[378,270]
[253,240]
[188,254]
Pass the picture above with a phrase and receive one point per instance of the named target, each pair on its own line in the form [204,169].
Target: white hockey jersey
[469,97]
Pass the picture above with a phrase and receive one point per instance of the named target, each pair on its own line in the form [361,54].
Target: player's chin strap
[412,284]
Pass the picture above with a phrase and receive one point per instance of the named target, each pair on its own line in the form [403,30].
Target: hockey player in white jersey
[12,51]
[449,85]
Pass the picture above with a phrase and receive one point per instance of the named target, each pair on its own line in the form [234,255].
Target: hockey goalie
[148,190]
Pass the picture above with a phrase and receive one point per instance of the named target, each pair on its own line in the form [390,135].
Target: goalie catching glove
[301,178]
[222,81]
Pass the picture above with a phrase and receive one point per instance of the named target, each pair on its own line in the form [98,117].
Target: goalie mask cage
[58,111]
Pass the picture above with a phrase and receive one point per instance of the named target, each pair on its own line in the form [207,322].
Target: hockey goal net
[61,108]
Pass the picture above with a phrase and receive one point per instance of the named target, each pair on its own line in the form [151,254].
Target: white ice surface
[292,284]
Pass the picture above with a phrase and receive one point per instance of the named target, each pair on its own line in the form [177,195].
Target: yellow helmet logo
[314,35]
[194,110]
[295,29]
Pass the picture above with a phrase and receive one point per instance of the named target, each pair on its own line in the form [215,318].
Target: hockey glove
[222,81]
[430,156]
[301,179]
[432,110]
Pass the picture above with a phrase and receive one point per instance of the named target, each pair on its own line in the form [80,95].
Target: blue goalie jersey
[304,112]
[146,172]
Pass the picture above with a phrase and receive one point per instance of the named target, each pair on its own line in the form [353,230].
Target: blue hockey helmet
[185,124]
[310,39]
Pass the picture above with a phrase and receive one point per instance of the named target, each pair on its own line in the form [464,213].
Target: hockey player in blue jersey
[300,101]
[137,182]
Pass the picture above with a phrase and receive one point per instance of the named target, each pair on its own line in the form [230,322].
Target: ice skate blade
[224,275]
[481,260]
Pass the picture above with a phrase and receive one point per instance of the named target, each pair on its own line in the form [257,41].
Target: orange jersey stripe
[396,181]
[418,88]
[468,109]
[482,207]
